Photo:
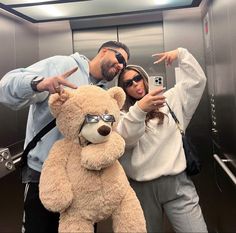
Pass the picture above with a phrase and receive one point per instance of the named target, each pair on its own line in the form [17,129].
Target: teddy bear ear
[57,100]
[118,94]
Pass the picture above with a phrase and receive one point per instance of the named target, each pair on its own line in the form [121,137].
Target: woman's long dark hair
[130,101]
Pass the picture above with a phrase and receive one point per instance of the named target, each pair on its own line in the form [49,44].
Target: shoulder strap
[37,137]
[175,119]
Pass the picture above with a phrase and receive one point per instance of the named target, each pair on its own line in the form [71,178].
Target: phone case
[154,82]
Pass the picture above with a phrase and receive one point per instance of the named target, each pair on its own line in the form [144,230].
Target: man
[31,86]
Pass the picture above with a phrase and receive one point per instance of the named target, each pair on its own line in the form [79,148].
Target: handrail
[16,158]
[225,168]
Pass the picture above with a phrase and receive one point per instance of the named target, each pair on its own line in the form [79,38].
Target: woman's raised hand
[168,57]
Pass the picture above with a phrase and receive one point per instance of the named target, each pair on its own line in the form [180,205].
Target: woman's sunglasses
[119,57]
[136,79]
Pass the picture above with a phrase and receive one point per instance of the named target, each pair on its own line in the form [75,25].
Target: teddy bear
[82,178]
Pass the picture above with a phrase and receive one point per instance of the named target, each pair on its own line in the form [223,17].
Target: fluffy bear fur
[82,179]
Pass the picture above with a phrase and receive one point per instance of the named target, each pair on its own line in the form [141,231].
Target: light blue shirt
[16,93]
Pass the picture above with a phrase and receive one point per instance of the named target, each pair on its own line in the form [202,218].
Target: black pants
[36,217]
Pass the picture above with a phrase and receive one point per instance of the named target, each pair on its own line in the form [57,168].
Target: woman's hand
[153,100]
[168,57]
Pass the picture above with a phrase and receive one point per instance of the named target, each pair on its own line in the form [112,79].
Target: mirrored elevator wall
[22,44]
[220,52]
[144,34]
[19,48]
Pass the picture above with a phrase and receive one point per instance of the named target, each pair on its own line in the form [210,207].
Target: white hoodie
[156,150]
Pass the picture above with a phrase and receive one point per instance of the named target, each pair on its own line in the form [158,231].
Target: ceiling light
[50,10]
[162,2]
[10,2]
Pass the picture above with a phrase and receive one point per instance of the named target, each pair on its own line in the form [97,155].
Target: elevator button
[5,155]
[9,165]
[6,164]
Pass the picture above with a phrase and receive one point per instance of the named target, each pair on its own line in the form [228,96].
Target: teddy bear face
[72,109]
[97,128]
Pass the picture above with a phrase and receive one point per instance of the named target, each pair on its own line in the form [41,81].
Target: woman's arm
[192,80]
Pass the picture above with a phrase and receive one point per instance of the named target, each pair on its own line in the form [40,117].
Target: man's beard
[105,67]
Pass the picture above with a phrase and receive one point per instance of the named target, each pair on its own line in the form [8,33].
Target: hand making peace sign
[54,84]
[168,57]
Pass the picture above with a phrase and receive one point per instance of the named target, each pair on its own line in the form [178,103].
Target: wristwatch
[35,81]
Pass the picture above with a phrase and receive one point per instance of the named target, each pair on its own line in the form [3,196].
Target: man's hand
[54,84]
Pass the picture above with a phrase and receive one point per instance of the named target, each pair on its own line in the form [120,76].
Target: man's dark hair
[115,44]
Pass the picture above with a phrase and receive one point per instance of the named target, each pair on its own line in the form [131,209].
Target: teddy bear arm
[113,147]
[129,217]
[55,187]
[97,156]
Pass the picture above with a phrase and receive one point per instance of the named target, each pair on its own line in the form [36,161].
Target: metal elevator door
[144,40]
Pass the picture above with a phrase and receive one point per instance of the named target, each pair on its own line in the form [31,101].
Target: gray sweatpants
[174,195]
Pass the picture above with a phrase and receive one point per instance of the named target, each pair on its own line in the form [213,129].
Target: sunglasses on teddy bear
[95,118]
[90,119]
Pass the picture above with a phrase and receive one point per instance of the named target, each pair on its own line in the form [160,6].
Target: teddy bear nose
[104,130]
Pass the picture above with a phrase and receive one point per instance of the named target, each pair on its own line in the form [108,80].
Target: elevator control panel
[6,163]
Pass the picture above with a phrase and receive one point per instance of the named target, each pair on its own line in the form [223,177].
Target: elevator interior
[206,31]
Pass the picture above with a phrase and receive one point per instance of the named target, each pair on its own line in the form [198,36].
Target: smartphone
[154,82]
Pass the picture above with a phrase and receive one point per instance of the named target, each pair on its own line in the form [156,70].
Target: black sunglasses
[119,57]
[136,79]
[90,119]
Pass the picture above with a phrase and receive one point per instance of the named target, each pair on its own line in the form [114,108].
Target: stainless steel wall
[55,38]
[25,43]
[19,48]
[222,18]
[143,41]
[220,35]
[183,28]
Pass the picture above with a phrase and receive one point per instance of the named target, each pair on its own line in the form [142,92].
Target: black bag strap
[35,140]
[175,119]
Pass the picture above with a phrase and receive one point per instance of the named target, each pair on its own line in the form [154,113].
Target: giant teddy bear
[82,177]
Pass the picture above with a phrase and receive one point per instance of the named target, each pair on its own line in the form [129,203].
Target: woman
[154,159]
